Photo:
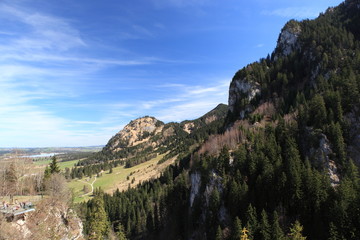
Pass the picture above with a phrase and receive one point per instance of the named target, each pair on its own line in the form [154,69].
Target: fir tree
[54,167]
[236,233]
[296,231]
[277,233]
[264,227]
[218,233]
[97,219]
[252,223]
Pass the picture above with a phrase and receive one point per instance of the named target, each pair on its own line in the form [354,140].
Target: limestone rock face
[195,179]
[52,219]
[242,90]
[134,133]
[322,158]
[288,39]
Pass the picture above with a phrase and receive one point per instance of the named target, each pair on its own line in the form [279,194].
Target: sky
[74,73]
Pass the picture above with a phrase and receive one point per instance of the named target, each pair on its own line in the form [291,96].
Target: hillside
[145,138]
[283,167]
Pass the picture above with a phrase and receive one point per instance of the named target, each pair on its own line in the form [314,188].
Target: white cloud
[189,101]
[294,12]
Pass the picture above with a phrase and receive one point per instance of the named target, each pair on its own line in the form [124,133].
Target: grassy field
[121,178]
[62,165]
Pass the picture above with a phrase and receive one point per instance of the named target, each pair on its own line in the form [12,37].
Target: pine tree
[318,111]
[218,233]
[333,232]
[277,233]
[121,232]
[252,223]
[296,231]
[97,219]
[236,233]
[264,227]
[54,167]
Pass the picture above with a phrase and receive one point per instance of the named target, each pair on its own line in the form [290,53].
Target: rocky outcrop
[52,219]
[195,179]
[134,133]
[242,91]
[288,38]
[321,156]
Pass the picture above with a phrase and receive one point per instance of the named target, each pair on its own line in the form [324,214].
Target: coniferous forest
[281,165]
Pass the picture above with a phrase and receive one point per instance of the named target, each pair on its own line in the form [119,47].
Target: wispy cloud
[45,32]
[48,77]
[189,101]
[293,12]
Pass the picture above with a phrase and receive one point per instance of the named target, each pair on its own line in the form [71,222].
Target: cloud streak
[293,12]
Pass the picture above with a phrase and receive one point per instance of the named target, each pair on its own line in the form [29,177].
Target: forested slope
[286,163]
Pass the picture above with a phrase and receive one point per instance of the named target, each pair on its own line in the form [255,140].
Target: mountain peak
[134,133]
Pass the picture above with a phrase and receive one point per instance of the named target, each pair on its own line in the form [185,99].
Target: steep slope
[292,127]
[145,138]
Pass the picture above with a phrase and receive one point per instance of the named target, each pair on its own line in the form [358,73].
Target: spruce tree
[277,233]
[97,219]
[252,223]
[236,233]
[54,167]
[264,227]
[218,233]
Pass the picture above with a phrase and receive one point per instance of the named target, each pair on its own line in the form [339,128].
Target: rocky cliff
[136,132]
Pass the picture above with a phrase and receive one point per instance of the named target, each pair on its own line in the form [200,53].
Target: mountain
[284,164]
[146,137]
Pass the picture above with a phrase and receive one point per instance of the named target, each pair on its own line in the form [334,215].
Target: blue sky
[73,73]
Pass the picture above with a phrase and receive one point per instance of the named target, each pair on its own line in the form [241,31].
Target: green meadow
[109,181]
[62,165]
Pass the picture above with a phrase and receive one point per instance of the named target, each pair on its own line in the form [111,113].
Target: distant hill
[146,137]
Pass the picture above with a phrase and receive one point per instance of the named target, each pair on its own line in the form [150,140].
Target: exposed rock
[136,132]
[215,182]
[210,119]
[333,173]
[240,90]
[288,39]
[53,219]
[195,179]
[321,155]
[189,127]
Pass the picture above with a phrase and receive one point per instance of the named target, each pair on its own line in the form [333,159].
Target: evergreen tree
[318,114]
[252,223]
[236,232]
[54,167]
[334,235]
[296,231]
[218,233]
[277,233]
[264,227]
[97,219]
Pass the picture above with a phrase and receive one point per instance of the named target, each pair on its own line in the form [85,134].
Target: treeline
[179,142]
[267,187]
[91,170]
[289,179]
